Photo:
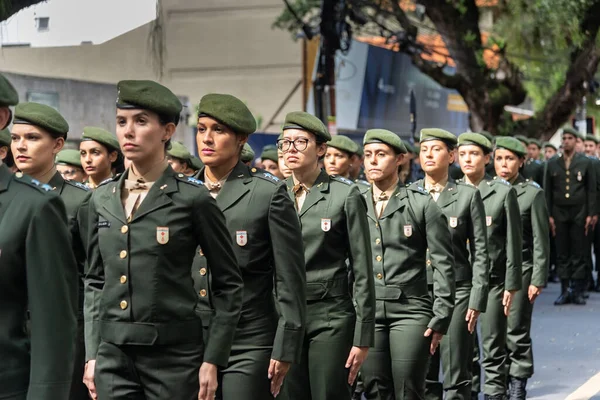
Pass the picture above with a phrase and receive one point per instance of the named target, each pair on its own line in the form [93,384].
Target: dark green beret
[247,153]
[101,136]
[438,134]
[196,163]
[228,110]
[343,143]
[574,132]
[8,94]
[69,157]
[270,154]
[410,148]
[269,147]
[487,135]
[385,136]
[307,122]
[591,138]
[149,95]
[360,152]
[511,143]
[522,138]
[178,150]
[470,138]
[535,141]
[5,137]
[42,116]
[548,144]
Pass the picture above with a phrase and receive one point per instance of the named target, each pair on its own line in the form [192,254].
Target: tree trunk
[10,7]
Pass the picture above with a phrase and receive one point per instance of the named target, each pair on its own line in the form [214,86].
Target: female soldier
[101,156]
[38,278]
[143,337]
[68,164]
[339,154]
[181,160]
[409,323]
[462,206]
[38,134]
[504,234]
[285,171]
[334,228]
[509,157]
[5,152]
[262,220]
[270,161]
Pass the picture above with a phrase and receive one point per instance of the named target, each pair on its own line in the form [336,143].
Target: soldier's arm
[541,240]
[52,301]
[514,243]
[290,276]
[548,185]
[227,285]
[441,254]
[591,189]
[478,240]
[362,265]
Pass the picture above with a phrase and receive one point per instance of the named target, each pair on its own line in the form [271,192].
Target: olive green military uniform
[334,228]
[38,274]
[247,155]
[534,170]
[464,210]
[264,226]
[536,252]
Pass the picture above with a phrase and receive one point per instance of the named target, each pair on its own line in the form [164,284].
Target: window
[42,23]
[47,98]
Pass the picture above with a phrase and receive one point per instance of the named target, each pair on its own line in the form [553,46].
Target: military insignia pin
[488,220]
[408,230]
[579,176]
[241,238]
[325,224]
[162,234]
[453,222]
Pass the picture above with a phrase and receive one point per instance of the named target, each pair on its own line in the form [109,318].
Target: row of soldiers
[96,283]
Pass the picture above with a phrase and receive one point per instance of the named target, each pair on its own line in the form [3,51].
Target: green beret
[511,143]
[574,132]
[101,136]
[307,122]
[149,95]
[228,110]
[385,136]
[5,137]
[247,153]
[69,157]
[343,143]
[269,147]
[548,144]
[178,150]
[470,138]
[410,148]
[196,163]
[42,116]
[438,134]
[8,94]
[522,138]
[487,135]
[591,138]
[270,154]
[535,141]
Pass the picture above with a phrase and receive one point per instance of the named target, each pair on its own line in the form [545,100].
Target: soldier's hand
[436,338]
[277,371]
[594,221]
[208,381]
[88,378]
[533,293]
[588,224]
[471,319]
[552,226]
[357,356]
[507,300]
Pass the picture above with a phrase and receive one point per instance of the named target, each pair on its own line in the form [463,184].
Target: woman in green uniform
[38,279]
[509,157]
[5,152]
[463,208]
[334,229]
[68,163]
[338,159]
[404,222]
[143,336]
[270,161]
[263,223]
[38,134]
[504,234]
[101,156]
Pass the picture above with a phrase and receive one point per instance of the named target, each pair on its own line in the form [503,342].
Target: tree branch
[8,8]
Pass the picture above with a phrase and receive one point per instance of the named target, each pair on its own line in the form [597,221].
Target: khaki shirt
[136,186]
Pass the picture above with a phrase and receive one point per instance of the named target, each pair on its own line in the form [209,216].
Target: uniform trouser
[322,373]
[132,372]
[396,366]
[455,353]
[476,380]
[78,389]
[597,247]
[518,340]
[571,243]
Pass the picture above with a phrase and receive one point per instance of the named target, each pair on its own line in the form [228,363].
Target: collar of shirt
[437,187]
[377,193]
[151,176]
[218,185]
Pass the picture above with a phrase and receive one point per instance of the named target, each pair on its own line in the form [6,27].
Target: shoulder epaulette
[111,179]
[261,173]
[189,179]
[501,180]
[418,189]
[363,183]
[20,177]
[341,179]
[78,185]
[532,183]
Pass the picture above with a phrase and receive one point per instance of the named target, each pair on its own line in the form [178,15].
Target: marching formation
[132,269]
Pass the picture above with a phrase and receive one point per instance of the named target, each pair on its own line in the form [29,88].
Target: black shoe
[517,388]
[579,299]
[586,295]
[474,396]
[597,286]
[565,294]
[578,296]
[357,396]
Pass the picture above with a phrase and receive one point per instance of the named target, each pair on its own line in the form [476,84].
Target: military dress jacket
[534,170]
[37,273]
[410,224]
[138,287]
[575,186]
[264,227]
[464,210]
[536,229]
[335,229]
[504,232]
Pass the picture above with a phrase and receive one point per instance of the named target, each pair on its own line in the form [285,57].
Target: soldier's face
[549,152]
[356,162]
[435,156]
[533,151]
[285,171]
[71,172]
[141,135]
[309,154]
[217,143]
[568,142]
[177,165]
[34,149]
[96,160]
[472,160]
[272,167]
[589,147]
[4,116]
[507,164]
[579,146]
[381,162]
[337,162]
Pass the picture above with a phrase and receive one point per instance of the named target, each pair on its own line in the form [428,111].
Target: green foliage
[307,10]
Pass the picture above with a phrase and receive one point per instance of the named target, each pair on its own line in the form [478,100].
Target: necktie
[435,192]
[380,204]
[299,190]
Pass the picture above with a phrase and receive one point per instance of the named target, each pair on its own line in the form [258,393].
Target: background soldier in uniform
[181,160]
[590,144]
[247,155]
[68,163]
[101,156]
[550,151]
[533,168]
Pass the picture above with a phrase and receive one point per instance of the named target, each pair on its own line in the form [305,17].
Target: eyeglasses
[299,144]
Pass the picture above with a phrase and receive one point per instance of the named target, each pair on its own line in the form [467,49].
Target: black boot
[495,397]
[517,388]
[565,294]
[578,287]
[597,286]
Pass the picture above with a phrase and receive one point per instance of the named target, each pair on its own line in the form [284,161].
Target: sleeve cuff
[92,340]
[439,325]
[364,334]
[287,346]
[478,299]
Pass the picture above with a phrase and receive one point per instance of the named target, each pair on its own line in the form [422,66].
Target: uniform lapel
[112,201]
[57,183]
[520,189]
[485,189]
[316,193]
[236,186]
[395,203]
[561,162]
[157,196]
[448,195]
[370,204]
[5,177]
